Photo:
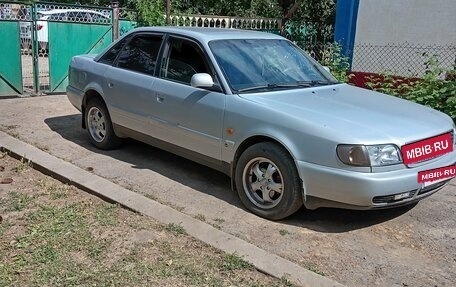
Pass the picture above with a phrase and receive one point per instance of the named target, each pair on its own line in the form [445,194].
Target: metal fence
[323,53]
[39,39]
[266,24]
[52,44]
[406,60]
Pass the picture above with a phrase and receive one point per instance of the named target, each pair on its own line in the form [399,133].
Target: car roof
[204,34]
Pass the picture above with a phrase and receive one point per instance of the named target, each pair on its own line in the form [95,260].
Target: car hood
[355,115]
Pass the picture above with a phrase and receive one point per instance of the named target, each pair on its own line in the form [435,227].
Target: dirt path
[412,246]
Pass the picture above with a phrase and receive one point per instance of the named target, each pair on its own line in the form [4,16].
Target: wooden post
[168,12]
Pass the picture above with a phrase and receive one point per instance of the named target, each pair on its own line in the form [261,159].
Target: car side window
[184,59]
[140,54]
[110,56]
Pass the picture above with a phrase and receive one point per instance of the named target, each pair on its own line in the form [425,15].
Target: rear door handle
[110,85]
[160,99]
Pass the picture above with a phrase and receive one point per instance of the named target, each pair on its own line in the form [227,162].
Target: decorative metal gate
[14,17]
[38,40]
[67,30]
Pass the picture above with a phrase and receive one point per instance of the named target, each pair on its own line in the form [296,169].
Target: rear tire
[99,125]
[267,181]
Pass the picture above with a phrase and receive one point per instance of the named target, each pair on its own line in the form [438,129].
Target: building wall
[393,34]
[423,22]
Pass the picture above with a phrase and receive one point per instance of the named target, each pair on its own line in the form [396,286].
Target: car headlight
[369,155]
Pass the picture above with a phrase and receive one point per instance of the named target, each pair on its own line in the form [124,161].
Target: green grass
[148,195]
[17,201]
[284,232]
[201,217]
[315,270]
[23,165]
[233,262]
[54,189]
[59,248]
[62,237]
[4,226]
[46,248]
[175,228]
[219,220]
[107,214]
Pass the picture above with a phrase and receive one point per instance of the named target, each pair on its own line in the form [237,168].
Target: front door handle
[110,85]
[160,99]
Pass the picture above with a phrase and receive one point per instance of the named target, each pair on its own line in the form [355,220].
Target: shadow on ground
[214,183]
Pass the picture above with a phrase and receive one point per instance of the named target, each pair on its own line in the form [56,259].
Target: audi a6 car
[256,107]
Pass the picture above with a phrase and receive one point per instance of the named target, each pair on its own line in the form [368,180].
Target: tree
[150,12]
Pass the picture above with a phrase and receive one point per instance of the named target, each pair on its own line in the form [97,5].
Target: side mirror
[202,80]
[327,69]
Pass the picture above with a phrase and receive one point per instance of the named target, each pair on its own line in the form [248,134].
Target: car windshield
[258,65]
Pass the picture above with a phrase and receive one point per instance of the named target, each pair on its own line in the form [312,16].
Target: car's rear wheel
[267,181]
[99,125]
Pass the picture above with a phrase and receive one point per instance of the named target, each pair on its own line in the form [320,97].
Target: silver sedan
[256,107]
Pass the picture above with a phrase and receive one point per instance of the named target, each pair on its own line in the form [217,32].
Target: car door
[128,85]
[194,116]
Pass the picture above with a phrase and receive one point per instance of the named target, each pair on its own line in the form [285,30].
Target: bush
[150,12]
[436,89]
[337,63]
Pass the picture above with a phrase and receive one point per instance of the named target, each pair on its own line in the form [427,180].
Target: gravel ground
[412,246]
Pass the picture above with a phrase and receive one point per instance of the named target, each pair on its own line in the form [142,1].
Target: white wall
[398,22]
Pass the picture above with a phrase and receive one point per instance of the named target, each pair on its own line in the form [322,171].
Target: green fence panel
[126,25]
[69,39]
[10,59]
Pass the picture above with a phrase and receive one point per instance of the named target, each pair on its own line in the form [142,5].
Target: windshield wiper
[313,83]
[269,87]
[298,84]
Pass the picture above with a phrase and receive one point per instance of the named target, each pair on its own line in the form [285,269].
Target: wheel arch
[295,196]
[250,141]
[89,94]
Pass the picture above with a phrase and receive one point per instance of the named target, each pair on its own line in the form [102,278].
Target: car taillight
[38,27]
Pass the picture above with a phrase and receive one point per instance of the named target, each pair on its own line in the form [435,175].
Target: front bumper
[331,187]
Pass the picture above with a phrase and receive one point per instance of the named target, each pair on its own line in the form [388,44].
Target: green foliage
[240,8]
[333,58]
[316,11]
[150,12]
[436,89]
[312,22]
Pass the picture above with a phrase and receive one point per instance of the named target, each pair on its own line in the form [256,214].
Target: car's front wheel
[99,125]
[267,181]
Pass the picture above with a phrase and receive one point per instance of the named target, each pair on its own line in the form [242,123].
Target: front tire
[99,125]
[267,181]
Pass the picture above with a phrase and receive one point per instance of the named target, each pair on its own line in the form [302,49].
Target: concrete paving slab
[68,173]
